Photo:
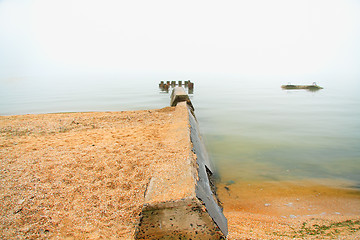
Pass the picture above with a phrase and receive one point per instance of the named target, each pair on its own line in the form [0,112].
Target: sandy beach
[80,175]
[84,175]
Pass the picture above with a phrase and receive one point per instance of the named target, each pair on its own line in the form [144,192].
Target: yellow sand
[290,210]
[80,175]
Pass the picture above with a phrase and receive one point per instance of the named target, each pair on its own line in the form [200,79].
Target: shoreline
[297,209]
[84,175]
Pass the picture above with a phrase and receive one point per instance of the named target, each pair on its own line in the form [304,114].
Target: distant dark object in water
[313,87]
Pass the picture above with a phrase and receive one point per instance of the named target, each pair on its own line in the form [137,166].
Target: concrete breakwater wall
[183,204]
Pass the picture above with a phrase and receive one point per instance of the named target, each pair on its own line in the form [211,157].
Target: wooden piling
[190,85]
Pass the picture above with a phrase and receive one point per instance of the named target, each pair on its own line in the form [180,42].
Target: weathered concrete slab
[179,95]
[179,219]
[180,203]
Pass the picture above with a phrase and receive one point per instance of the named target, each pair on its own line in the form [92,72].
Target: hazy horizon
[179,39]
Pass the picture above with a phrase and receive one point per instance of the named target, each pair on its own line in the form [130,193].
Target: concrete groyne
[183,204]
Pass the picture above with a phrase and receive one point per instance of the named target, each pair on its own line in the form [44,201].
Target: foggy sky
[240,37]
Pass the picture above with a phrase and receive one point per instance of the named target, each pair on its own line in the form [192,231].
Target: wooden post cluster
[166,86]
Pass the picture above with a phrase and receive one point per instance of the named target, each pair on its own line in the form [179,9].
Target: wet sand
[290,210]
[84,175]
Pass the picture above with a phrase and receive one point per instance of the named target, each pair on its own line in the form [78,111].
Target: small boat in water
[313,87]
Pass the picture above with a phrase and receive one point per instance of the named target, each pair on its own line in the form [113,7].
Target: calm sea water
[252,128]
